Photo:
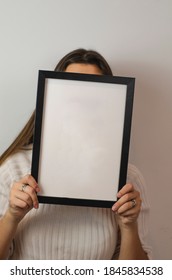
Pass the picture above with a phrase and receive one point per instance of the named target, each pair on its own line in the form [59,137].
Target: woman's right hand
[23,197]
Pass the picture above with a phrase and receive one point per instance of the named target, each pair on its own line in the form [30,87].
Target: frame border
[130,83]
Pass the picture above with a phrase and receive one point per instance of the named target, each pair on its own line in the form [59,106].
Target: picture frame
[81,138]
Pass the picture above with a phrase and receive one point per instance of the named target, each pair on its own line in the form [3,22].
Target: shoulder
[134,174]
[16,165]
[135,177]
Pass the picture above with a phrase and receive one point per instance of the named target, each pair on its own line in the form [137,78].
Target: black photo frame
[81,137]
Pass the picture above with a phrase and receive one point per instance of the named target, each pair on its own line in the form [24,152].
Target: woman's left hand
[127,206]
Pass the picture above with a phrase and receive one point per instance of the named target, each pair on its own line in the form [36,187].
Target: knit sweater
[62,232]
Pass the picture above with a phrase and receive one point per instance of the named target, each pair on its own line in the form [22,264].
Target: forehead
[83,68]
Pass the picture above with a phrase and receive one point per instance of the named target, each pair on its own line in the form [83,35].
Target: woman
[32,231]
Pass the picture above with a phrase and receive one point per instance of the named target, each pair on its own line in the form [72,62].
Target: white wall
[135,37]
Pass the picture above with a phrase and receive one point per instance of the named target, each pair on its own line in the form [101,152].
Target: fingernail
[114,208]
[37,189]
[36,205]
[119,195]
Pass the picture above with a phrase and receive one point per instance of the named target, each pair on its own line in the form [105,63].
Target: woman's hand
[127,207]
[23,197]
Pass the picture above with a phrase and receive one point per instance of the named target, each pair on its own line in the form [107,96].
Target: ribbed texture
[66,232]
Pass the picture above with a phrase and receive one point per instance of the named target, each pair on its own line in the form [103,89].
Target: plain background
[135,38]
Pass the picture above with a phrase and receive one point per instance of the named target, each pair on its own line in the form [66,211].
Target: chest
[67,232]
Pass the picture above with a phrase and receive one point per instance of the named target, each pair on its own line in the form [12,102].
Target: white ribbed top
[66,232]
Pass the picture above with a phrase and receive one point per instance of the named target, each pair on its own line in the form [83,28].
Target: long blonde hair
[25,137]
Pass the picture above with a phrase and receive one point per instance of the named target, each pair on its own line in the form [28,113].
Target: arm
[131,248]
[8,229]
[20,203]
[127,215]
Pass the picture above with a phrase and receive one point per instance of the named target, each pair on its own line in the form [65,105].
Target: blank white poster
[81,141]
